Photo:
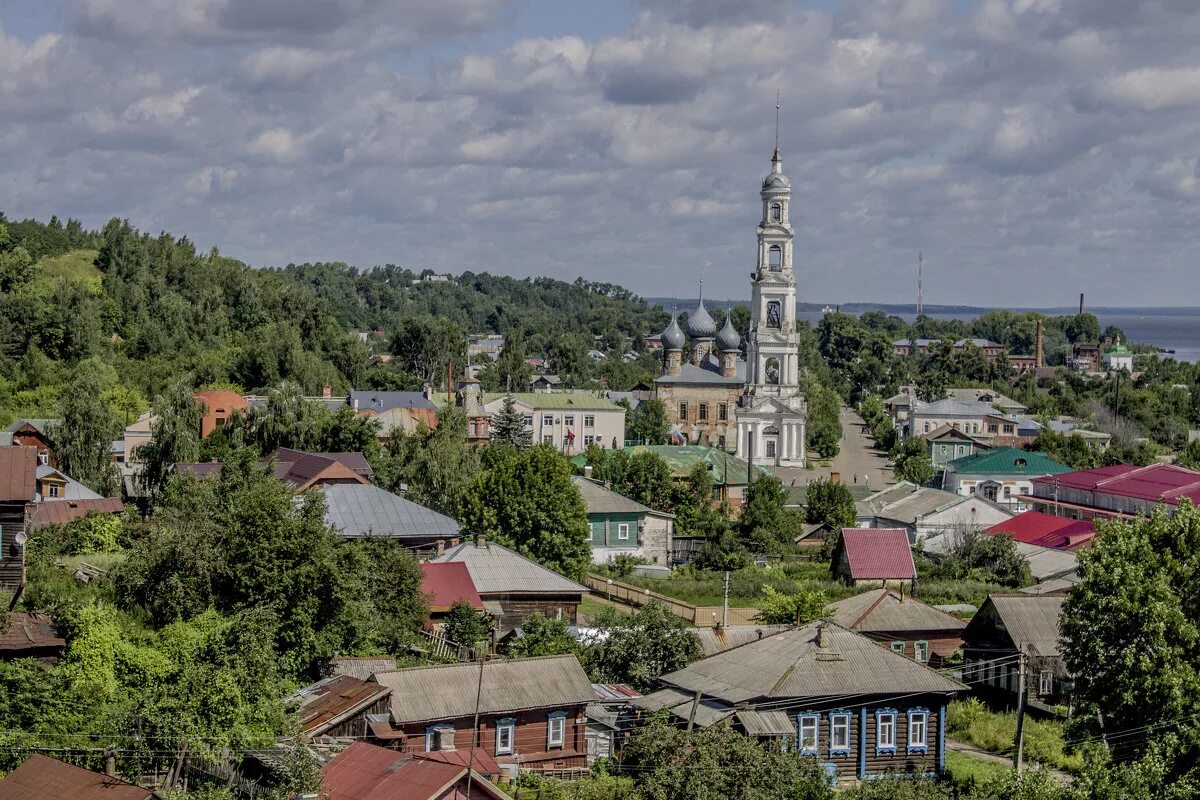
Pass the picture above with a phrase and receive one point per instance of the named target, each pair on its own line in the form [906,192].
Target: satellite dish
[20,539]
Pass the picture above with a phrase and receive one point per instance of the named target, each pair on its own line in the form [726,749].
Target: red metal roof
[483,763]
[1046,530]
[45,778]
[326,703]
[447,582]
[60,512]
[878,553]
[18,473]
[1165,482]
[28,631]
[367,772]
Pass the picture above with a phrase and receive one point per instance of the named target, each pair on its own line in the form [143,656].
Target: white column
[781,452]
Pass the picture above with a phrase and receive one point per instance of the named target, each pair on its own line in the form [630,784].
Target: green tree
[508,426]
[94,533]
[286,419]
[542,636]
[530,503]
[648,423]
[425,346]
[765,524]
[778,608]
[16,265]
[639,648]
[465,626]
[174,437]
[824,419]
[829,503]
[911,462]
[977,556]
[430,467]
[83,440]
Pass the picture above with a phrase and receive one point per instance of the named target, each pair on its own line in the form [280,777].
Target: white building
[567,421]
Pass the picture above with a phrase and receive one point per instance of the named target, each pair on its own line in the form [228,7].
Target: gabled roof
[718,640]
[971,409]
[905,502]
[878,554]
[1046,530]
[1029,620]
[361,667]
[1007,461]
[497,570]
[448,583]
[368,772]
[1157,482]
[43,778]
[40,426]
[791,664]
[601,500]
[18,474]
[73,490]
[446,692]
[359,510]
[61,512]
[330,701]
[886,610]
[681,459]
[303,470]
[708,373]
[985,396]
[368,399]
[28,631]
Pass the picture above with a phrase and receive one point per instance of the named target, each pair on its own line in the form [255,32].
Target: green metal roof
[557,400]
[1007,461]
[683,458]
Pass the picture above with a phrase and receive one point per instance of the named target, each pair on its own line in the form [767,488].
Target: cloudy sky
[1032,149]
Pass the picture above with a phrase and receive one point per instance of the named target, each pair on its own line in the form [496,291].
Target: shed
[880,556]
[44,778]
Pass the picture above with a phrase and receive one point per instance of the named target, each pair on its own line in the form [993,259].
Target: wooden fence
[700,616]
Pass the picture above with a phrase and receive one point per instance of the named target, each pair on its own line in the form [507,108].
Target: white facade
[568,423]
[773,415]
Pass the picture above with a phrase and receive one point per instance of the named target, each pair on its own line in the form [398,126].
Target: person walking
[856,477]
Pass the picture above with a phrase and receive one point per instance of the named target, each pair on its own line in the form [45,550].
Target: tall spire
[777,123]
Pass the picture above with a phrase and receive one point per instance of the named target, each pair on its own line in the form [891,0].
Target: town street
[856,457]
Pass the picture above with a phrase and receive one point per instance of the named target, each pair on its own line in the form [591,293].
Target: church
[752,406]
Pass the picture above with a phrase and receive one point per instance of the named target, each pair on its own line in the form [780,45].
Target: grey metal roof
[766,723]
[447,692]
[1060,584]
[74,490]
[954,408]
[382,401]
[881,610]
[709,372]
[497,570]
[906,503]
[791,665]
[718,640]
[1030,620]
[357,510]
[600,500]
[361,668]
[1003,401]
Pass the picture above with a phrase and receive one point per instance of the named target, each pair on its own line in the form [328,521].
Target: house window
[776,212]
[839,733]
[528,420]
[992,428]
[505,733]
[885,731]
[921,651]
[927,427]
[702,412]
[548,439]
[439,737]
[569,421]
[809,726]
[556,729]
[722,411]
[1046,682]
[770,448]
[683,410]
[918,730]
[775,258]
[589,440]
[897,647]
[989,492]
[1007,492]
[53,490]
[547,420]
[623,530]
[721,442]
[589,420]
[1008,428]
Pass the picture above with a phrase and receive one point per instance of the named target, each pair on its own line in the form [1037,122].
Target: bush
[973,722]
[622,565]
[94,533]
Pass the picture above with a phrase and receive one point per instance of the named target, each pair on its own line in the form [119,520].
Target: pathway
[973,751]
[857,457]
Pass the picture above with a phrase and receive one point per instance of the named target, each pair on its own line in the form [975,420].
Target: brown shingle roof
[45,778]
[18,473]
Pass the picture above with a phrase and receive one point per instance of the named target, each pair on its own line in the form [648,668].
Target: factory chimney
[1081,302]
[1038,352]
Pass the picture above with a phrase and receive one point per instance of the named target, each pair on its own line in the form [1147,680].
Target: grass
[973,722]
[77,265]
[965,770]
[104,561]
[591,607]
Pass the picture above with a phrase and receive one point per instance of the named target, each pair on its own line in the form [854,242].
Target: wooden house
[875,557]
[901,623]
[446,584]
[41,776]
[33,433]
[531,711]
[338,706]
[365,771]
[30,635]
[18,490]
[1006,626]
[861,710]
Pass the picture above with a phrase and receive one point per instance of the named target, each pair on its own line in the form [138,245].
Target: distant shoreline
[911,308]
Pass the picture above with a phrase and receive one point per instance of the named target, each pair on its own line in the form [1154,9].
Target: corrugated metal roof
[368,400]
[368,772]
[1046,530]
[360,667]
[791,665]
[614,692]
[497,570]
[73,490]
[448,583]
[18,473]
[600,500]
[766,723]
[421,694]
[1007,461]
[328,701]
[718,640]
[357,510]
[28,631]
[61,512]
[885,610]
[878,553]
[663,698]
[681,459]
[1030,620]
[906,503]
[45,778]
[557,401]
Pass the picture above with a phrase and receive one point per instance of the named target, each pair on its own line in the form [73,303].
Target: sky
[1031,149]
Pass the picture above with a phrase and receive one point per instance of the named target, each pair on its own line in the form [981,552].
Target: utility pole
[725,604]
[1020,755]
[475,726]
[692,715]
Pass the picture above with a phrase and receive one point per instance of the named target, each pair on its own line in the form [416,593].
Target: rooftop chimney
[481,541]
[441,546]
[1081,302]
[825,651]
[822,636]
[327,391]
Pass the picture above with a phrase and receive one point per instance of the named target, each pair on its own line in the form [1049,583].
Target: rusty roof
[45,778]
[18,473]
[330,700]
[29,631]
[60,512]
[878,553]
[369,772]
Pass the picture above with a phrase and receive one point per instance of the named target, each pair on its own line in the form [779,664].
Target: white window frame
[808,727]
[921,651]
[918,723]
[623,530]
[528,420]
[772,264]
[548,438]
[839,726]
[885,730]
[547,420]
[569,421]
[589,420]
[589,440]
[556,730]
[898,647]
[508,725]
[52,490]
[1046,682]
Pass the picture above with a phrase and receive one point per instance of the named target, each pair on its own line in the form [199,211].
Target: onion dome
[672,338]
[700,324]
[728,339]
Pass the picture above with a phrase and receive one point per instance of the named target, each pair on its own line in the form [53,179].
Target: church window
[774,314]
[776,212]
[683,410]
[775,258]
[702,412]
[770,448]
[723,411]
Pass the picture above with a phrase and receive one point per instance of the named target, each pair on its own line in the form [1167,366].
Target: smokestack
[1038,352]
[1081,302]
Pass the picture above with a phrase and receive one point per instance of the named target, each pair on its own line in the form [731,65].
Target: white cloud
[1154,88]
[277,144]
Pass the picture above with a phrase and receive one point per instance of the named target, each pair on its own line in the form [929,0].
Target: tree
[829,503]
[508,426]
[465,626]
[542,636]
[529,503]
[286,419]
[16,265]
[83,440]
[777,608]
[1131,635]
[765,524]
[174,437]
[977,556]
[648,423]
[824,419]
[430,467]
[426,345]
[911,463]
[639,648]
